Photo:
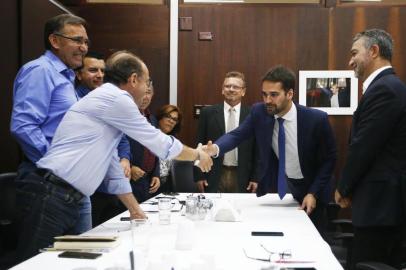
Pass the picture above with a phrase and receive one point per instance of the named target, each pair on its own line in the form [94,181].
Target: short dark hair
[236,74]
[120,66]
[166,110]
[377,37]
[57,23]
[283,75]
[94,54]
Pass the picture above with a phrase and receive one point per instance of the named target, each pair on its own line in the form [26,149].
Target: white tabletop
[217,245]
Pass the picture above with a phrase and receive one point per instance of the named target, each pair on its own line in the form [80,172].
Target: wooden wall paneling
[141,29]
[248,38]
[34,14]
[9,157]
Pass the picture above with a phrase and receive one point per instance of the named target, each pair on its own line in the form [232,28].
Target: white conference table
[217,245]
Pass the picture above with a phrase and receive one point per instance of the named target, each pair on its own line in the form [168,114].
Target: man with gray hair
[83,155]
[373,178]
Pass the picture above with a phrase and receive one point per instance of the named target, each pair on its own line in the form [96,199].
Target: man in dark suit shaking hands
[236,171]
[297,150]
[372,179]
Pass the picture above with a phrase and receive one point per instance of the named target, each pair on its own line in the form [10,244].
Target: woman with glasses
[169,122]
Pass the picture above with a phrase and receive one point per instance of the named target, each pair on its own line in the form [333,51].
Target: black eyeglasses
[282,256]
[77,40]
[174,119]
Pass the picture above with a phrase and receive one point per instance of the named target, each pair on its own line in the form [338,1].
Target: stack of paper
[73,242]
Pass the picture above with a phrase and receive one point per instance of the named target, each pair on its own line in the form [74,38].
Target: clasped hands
[205,153]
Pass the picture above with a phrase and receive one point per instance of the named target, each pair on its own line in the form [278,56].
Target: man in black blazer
[238,173]
[309,147]
[373,181]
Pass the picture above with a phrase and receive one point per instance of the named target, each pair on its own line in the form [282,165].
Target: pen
[132,260]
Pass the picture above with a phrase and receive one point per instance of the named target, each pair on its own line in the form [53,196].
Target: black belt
[60,182]
[230,167]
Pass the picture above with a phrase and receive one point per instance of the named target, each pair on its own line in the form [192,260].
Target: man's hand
[132,205]
[155,184]
[205,161]
[341,201]
[309,203]
[201,184]
[125,164]
[252,187]
[136,173]
[138,214]
[210,149]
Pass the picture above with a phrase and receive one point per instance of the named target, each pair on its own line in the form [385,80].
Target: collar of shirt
[236,107]
[60,66]
[371,77]
[291,115]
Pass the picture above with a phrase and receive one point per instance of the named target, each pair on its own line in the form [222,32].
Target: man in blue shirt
[44,91]
[83,155]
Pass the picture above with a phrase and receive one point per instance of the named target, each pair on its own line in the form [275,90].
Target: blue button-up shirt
[84,148]
[43,92]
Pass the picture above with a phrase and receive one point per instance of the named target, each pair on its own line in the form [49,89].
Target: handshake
[205,152]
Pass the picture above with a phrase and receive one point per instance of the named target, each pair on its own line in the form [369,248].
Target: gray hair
[377,37]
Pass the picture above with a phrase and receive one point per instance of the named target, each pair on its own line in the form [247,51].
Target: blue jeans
[85,216]
[46,210]
[85,207]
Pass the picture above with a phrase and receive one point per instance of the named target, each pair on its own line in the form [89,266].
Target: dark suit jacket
[211,127]
[376,158]
[316,147]
[141,186]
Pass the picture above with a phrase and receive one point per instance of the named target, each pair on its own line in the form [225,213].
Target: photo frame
[332,91]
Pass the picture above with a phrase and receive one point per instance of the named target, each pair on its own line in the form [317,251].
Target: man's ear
[133,79]
[374,51]
[53,39]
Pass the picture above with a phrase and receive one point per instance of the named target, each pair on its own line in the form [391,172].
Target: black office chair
[8,220]
[339,234]
[182,176]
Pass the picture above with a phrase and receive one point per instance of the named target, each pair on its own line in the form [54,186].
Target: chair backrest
[7,198]
[182,176]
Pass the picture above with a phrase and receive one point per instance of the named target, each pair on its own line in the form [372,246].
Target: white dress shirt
[292,163]
[371,77]
[237,112]
[84,148]
[334,101]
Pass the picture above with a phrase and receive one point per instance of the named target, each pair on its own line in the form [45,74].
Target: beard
[272,109]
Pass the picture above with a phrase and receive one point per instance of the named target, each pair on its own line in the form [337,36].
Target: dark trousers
[380,244]
[104,207]
[318,216]
[45,210]
[228,180]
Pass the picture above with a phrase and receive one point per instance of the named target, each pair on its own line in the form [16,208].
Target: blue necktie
[281,167]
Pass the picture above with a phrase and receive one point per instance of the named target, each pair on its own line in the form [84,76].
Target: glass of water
[164,207]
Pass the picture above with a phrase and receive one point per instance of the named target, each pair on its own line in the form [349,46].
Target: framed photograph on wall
[332,91]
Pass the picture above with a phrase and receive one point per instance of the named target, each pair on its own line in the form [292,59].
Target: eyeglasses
[175,119]
[233,87]
[77,40]
[281,256]
[149,82]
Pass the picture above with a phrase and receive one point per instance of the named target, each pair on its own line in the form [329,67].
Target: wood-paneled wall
[253,38]
[9,153]
[141,29]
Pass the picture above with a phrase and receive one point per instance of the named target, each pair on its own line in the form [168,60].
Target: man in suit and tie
[236,172]
[297,150]
[373,178]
